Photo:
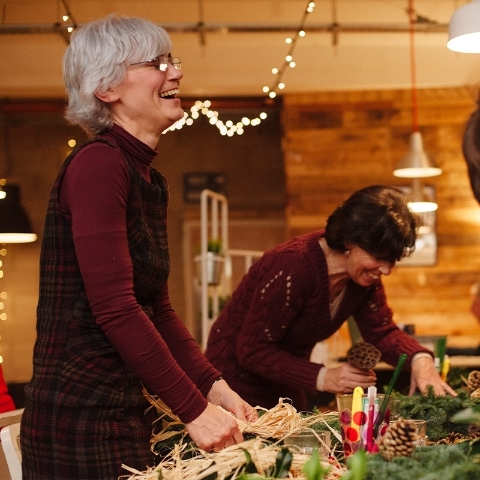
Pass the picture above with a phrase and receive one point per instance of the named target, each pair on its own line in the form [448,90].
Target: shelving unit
[214,226]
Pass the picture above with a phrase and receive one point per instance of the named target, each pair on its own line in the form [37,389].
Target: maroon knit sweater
[263,338]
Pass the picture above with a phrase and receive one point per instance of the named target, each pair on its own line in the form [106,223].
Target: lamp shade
[15,226]
[419,206]
[421,198]
[464,29]
[416,163]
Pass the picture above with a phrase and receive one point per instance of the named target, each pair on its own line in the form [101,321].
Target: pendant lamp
[420,201]
[464,29]
[415,163]
[15,226]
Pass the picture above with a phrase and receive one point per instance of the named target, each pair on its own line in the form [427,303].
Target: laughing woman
[105,324]
[302,291]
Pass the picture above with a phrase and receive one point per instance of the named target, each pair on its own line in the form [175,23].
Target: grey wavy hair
[97,58]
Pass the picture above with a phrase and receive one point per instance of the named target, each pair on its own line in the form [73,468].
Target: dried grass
[277,423]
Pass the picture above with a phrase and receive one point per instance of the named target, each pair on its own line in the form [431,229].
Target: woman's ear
[108,96]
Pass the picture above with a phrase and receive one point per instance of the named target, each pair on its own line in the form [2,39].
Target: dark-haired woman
[302,291]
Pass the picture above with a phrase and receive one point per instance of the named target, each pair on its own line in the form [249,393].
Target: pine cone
[453,437]
[363,355]
[473,381]
[398,440]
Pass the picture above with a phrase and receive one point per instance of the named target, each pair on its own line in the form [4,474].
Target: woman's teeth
[371,275]
[170,93]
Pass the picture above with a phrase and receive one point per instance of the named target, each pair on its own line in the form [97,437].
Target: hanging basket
[214,267]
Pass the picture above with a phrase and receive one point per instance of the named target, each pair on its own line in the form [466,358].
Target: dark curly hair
[378,220]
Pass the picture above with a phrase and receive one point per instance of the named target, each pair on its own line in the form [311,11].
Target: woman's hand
[221,394]
[424,373]
[214,429]
[345,378]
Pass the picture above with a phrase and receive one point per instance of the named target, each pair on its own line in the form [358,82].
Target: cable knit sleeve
[94,192]
[374,320]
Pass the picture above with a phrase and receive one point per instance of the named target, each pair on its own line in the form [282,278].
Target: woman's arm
[376,326]
[94,191]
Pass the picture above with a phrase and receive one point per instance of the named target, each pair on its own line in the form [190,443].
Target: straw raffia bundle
[276,423]
[228,463]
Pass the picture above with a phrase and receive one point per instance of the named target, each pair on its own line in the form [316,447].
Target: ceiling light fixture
[464,29]
[15,226]
[421,201]
[415,163]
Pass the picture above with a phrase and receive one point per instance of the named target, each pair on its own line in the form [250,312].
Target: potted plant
[214,260]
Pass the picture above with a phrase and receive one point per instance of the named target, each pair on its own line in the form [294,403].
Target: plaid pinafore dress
[85,412]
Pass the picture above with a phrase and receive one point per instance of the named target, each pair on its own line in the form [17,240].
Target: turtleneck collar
[138,150]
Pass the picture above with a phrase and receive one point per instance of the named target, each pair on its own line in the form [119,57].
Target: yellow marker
[445,368]
[357,408]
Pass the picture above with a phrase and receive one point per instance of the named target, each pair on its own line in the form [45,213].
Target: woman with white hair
[105,325]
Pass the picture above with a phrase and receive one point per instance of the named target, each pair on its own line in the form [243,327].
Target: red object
[6,401]
[371,409]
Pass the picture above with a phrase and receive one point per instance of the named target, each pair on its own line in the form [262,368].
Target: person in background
[475,305]
[105,325]
[6,401]
[471,153]
[302,291]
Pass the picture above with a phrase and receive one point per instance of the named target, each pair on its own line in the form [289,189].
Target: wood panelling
[337,142]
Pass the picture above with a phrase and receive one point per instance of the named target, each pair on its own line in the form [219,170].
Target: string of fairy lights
[199,108]
[229,127]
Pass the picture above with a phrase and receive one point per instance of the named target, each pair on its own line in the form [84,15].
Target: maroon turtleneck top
[160,351]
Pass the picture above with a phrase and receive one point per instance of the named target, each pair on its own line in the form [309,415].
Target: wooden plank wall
[337,142]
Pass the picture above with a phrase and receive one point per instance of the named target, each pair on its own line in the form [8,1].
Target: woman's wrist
[321,379]
[216,381]
[216,390]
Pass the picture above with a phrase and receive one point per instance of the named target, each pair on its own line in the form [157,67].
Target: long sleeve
[183,347]
[375,322]
[94,192]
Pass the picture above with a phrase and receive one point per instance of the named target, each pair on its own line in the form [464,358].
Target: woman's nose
[174,73]
[385,268]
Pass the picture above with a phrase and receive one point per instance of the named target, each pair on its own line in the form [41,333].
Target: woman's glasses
[161,62]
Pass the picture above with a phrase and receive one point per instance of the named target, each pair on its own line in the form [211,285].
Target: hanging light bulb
[464,29]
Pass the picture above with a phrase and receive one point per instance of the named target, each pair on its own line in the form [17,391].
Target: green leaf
[282,465]
[313,468]
[468,415]
[357,465]
[249,466]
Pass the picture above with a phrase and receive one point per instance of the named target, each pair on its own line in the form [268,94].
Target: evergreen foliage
[437,411]
[446,462]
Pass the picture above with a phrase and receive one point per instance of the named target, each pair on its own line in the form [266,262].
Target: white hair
[97,58]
